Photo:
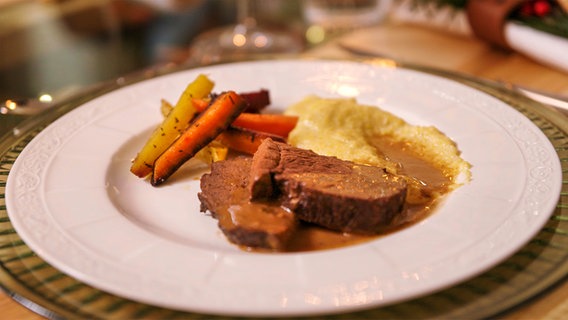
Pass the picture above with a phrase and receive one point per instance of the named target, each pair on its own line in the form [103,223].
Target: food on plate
[166,107]
[336,194]
[204,129]
[257,100]
[392,175]
[369,135]
[225,194]
[327,173]
[278,124]
[287,185]
[245,140]
[170,128]
[204,125]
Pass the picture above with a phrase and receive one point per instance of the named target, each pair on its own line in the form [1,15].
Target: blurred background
[52,47]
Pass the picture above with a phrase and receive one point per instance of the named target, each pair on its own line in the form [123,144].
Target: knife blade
[556,101]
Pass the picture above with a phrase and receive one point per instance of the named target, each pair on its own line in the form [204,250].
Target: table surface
[427,47]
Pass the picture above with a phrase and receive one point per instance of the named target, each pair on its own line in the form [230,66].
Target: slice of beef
[225,193]
[266,159]
[339,195]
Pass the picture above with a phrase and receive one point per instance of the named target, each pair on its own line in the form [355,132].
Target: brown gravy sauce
[427,185]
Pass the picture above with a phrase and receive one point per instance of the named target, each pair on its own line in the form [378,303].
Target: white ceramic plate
[72,199]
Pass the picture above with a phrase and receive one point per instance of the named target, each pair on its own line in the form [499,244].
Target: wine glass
[243,40]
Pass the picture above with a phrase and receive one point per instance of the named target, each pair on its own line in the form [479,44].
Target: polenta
[344,128]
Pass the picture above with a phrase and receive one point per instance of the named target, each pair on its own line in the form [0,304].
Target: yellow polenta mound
[343,128]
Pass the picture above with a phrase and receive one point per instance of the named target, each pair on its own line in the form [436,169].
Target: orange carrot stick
[200,104]
[201,131]
[172,125]
[278,124]
[245,141]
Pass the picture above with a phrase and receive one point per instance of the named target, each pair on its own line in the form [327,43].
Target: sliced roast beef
[262,185]
[339,195]
[225,193]
[259,201]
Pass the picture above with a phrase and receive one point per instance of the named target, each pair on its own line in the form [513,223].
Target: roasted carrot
[214,151]
[204,129]
[201,104]
[172,125]
[278,124]
[245,141]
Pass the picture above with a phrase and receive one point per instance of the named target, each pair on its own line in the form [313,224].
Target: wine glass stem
[246,10]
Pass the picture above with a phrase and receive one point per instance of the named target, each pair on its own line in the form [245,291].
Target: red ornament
[541,8]
[535,8]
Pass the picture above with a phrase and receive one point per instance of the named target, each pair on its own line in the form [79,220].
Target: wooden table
[419,45]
